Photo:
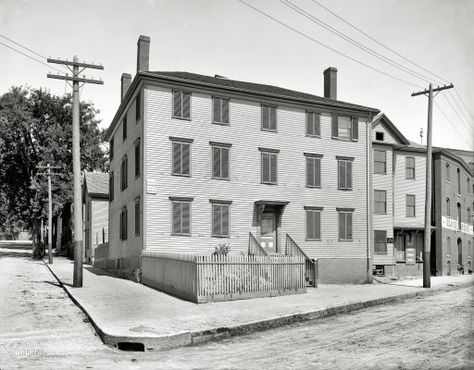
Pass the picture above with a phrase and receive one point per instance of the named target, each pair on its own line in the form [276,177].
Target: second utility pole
[76,160]
[427,243]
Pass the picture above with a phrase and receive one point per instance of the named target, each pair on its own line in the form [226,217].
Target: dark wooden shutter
[186,105]
[317,225]
[317,124]
[216,162]
[273,118]
[217,110]
[177,103]
[309,124]
[176,158]
[137,107]
[349,225]
[225,163]
[111,148]
[225,220]
[137,217]
[334,127]
[186,218]
[124,127]
[216,220]
[274,168]
[176,217]
[309,224]
[341,175]
[309,171]
[265,117]
[349,174]
[186,159]
[225,110]
[355,128]
[137,159]
[111,187]
[342,226]
[317,172]
[265,167]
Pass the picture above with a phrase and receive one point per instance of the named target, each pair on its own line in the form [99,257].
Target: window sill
[313,240]
[268,130]
[314,136]
[313,187]
[221,236]
[346,240]
[180,175]
[221,123]
[269,183]
[380,253]
[380,173]
[182,118]
[345,189]
[187,235]
[220,179]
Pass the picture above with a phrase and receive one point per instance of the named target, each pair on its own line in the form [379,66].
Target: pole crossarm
[436,89]
[75,64]
[76,79]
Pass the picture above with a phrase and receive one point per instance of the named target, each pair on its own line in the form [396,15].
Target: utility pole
[76,162]
[427,244]
[50,210]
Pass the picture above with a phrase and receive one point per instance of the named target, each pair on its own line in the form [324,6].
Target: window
[181,216]
[138,110]
[137,158]
[448,173]
[269,120]
[468,185]
[124,128]
[181,104]
[220,160]
[313,124]
[409,168]
[345,224]
[220,110]
[124,173]
[137,216]
[448,246]
[269,166]
[380,161]
[345,128]
[313,223]
[459,216]
[181,157]
[123,224]
[459,180]
[111,148]
[380,241]
[313,170]
[111,187]
[379,136]
[380,202]
[448,207]
[468,215]
[344,166]
[410,205]
[220,218]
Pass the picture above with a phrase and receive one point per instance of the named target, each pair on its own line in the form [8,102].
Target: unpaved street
[41,328]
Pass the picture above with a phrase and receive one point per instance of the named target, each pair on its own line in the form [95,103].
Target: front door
[268,232]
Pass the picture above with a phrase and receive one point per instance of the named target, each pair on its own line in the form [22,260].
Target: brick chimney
[330,83]
[143,53]
[126,81]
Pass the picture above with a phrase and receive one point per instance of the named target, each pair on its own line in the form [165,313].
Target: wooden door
[268,232]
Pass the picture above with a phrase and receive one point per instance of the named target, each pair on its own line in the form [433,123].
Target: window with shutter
[138,109]
[181,157]
[220,110]
[137,158]
[380,162]
[380,241]
[111,148]
[269,119]
[181,216]
[111,187]
[448,173]
[124,173]
[269,166]
[313,124]
[181,104]
[123,224]
[334,126]
[313,170]
[380,202]
[409,168]
[345,224]
[448,207]
[410,205]
[220,160]
[124,128]
[355,128]
[220,219]
[344,167]
[313,223]
[137,216]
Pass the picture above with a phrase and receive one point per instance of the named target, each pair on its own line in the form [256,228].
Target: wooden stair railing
[311,265]
[255,249]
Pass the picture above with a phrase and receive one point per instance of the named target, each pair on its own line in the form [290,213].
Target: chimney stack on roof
[330,83]
[143,53]
[126,81]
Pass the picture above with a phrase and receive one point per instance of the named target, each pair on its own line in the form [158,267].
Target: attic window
[379,136]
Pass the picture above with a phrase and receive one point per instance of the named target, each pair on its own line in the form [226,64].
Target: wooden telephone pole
[427,244]
[50,209]
[76,163]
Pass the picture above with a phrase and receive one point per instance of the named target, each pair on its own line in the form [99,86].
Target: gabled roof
[235,86]
[97,183]
[383,119]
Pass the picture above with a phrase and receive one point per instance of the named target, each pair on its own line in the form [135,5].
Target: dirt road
[41,328]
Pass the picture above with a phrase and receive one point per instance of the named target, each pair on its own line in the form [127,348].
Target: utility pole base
[77,277]
[426,270]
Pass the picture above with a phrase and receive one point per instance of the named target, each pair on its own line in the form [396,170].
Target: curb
[193,338]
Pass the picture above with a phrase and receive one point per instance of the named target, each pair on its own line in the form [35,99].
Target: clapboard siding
[384,222]
[244,187]
[133,245]
[388,136]
[100,210]
[415,186]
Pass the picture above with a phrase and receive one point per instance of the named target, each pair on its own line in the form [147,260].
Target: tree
[36,129]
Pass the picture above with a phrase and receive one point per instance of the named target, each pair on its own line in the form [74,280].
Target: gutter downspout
[368,198]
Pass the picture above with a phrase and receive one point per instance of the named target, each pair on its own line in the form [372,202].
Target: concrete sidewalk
[123,311]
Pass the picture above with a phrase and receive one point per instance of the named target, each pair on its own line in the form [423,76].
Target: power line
[368,50]
[461,118]
[24,47]
[451,123]
[29,56]
[376,41]
[465,106]
[327,46]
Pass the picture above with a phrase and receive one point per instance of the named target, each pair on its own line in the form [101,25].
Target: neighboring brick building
[95,199]
[197,161]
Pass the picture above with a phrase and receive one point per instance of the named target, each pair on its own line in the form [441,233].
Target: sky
[229,38]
